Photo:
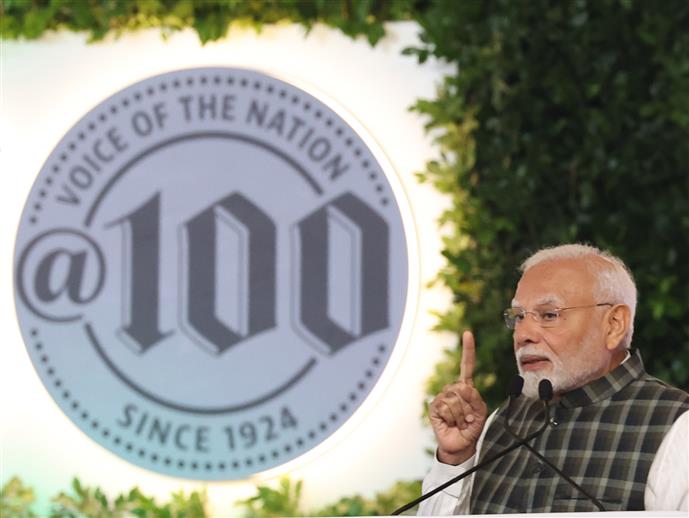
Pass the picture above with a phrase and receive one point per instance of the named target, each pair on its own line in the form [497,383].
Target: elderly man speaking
[614,430]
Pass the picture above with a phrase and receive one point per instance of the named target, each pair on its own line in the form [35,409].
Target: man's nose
[526,331]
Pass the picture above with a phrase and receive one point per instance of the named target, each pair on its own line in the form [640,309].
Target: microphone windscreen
[545,390]
[517,386]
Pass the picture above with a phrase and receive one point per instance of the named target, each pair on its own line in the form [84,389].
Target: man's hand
[458,413]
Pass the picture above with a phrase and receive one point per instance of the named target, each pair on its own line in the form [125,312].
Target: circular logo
[211,273]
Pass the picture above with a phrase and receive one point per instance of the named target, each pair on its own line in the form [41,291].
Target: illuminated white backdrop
[49,84]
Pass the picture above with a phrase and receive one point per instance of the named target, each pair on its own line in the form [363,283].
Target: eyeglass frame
[538,319]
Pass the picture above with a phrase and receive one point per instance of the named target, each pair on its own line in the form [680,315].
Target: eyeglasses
[544,317]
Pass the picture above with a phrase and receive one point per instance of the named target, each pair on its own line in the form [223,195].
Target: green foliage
[567,121]
[381,504]
[16,500]
[92,502]
[211,19]
[283,501]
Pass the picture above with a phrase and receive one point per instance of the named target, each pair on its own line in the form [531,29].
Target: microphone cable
[485,462]
[545,390]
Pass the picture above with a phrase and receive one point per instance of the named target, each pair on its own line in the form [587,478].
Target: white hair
[614,281]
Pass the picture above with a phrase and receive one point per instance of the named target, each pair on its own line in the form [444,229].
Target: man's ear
[617,324]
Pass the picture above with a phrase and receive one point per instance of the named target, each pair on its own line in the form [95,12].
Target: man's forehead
[557,282]
[550,299]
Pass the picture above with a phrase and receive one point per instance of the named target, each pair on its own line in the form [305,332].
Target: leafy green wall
[568,121]
[565,121]
[209,18]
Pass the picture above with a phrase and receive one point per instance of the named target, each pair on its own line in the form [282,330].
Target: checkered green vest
[603,435]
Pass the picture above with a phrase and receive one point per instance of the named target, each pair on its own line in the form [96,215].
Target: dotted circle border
[373,174]
[287,447]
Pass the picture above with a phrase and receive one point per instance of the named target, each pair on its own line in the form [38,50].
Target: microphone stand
[511,431]
[480,465]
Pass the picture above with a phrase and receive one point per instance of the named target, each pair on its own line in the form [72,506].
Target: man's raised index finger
[466,369]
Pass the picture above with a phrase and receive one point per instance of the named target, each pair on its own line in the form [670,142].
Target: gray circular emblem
[211,273]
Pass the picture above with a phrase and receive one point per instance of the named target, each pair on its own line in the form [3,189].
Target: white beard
[563,378]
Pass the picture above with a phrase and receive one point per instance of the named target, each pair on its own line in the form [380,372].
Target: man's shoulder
[650,388]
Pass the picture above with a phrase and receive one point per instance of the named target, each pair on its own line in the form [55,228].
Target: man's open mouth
[533,362]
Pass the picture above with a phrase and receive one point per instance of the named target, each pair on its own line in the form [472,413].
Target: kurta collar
[605,387]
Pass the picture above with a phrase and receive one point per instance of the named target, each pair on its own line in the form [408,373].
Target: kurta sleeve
[667,486]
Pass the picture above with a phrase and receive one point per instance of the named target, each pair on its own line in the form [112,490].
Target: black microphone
[517,386]
[545,393]
[489,460]
[545,390]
